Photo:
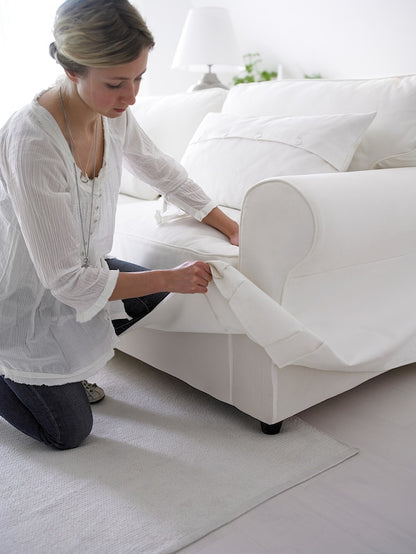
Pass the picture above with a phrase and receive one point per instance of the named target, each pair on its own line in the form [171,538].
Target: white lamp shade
[207,39]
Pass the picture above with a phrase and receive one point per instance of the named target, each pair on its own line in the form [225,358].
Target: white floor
[366,504]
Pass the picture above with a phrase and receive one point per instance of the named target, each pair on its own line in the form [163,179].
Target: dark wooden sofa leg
[271,429]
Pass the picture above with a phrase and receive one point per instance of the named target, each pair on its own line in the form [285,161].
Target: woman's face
[110,91]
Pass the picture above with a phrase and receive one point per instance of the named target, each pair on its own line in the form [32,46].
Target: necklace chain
[84,178]
[83,174]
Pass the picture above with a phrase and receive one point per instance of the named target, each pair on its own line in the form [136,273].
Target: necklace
[84,178]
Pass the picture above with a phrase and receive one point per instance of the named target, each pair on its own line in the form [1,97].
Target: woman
[60,167]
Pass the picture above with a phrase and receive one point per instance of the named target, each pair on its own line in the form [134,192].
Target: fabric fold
[263,320]
[233,304]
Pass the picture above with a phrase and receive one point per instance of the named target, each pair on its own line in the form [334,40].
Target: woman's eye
[113,86]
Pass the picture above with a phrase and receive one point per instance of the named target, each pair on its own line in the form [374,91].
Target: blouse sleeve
[42,202]
[161,171]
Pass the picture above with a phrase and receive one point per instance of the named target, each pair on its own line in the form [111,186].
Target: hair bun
[53,50]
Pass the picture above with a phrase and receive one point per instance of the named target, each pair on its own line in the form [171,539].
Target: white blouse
[54,324]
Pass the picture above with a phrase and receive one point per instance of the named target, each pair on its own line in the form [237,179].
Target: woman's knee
[67,419]
[72,434]
[59,416]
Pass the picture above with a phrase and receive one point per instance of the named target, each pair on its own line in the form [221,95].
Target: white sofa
[322,177]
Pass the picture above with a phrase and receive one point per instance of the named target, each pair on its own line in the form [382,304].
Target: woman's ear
[74,77]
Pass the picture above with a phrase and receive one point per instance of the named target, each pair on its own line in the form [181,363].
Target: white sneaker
[93,391]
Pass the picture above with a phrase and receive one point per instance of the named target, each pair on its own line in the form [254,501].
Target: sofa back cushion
[390,141]
[170,121]
[228,154]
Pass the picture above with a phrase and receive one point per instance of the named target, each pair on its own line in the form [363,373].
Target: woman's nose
[129,95]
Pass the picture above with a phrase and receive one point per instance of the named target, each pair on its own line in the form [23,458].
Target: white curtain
[25,65]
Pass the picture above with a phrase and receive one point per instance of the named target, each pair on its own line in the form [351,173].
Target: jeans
[138,307]
[60,415]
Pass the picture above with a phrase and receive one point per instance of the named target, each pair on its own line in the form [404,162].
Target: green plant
[251,72]
[313,76]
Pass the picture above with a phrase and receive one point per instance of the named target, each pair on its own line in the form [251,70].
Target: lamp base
[209,80]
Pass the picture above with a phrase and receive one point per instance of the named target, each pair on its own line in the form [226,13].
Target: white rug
[165,465]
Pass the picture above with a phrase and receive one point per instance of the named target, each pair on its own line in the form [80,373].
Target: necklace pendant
[85,262]
[84,177]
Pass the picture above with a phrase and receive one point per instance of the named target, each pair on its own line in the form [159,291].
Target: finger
[204,265]
[206,270]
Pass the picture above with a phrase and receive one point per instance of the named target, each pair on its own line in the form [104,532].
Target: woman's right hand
[190,278]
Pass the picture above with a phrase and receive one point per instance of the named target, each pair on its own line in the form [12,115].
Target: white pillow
[170,121]
[228,154]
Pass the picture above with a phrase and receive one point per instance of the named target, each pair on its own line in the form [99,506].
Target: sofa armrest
[309,224]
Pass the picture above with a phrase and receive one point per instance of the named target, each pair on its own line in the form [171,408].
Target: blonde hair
[98,33]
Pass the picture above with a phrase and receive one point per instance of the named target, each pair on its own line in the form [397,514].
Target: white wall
[337,38]
[26,67]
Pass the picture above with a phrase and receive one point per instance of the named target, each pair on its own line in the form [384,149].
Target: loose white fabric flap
[235,305]
[262,319]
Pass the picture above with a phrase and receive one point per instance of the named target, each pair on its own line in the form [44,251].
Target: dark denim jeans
[60,415]
[138,307]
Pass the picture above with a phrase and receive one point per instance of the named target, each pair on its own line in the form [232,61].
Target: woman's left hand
[217,219]
[235,237]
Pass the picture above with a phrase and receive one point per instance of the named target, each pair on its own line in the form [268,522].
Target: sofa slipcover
[322,287]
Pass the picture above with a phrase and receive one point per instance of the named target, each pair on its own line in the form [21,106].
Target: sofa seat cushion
[390,141]
[139,238]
